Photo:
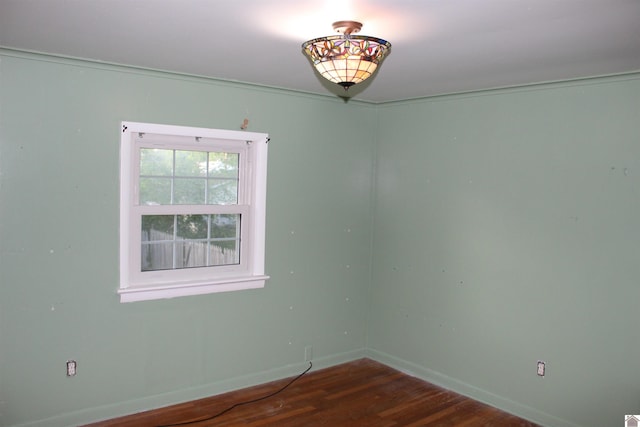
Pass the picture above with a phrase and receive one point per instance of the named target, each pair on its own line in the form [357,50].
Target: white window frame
[136,285]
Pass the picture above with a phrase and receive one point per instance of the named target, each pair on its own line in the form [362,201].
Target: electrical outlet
[71,368]
[541,368]
[308,353]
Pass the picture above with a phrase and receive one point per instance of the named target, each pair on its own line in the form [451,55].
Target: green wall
[59,153]
[507,230]
[504,228]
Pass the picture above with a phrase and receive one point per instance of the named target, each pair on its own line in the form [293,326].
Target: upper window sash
[151,141]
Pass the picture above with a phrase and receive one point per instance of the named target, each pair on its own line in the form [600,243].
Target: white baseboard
[158,401]
[444,381]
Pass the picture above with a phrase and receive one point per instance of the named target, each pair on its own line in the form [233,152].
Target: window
[192,211]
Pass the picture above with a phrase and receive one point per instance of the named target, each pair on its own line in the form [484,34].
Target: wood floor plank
[361,393]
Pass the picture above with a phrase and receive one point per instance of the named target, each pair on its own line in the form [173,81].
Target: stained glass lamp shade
[346,59]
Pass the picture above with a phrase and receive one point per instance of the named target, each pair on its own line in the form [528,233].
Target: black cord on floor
[241,403]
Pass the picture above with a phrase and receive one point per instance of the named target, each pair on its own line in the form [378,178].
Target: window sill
[148,293]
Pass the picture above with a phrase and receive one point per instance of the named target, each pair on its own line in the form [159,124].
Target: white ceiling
[439,46]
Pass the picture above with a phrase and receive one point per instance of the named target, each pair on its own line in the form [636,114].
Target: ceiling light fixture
[346,59]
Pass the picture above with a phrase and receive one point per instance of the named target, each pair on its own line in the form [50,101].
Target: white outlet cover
[71,368]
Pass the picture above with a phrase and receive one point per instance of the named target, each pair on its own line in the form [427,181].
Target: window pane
[223,192]
[199,241]
[225,226]
[188,177]
[225,253]
[192,226]
[191,163]
[157,227]
[155,191]
[191,254]
[157,256]
[156,162]
[189,191]
[223,165]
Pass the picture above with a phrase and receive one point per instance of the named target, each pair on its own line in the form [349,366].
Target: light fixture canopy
[346,59]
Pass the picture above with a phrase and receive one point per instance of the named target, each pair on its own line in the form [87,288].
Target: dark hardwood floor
[360,393]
